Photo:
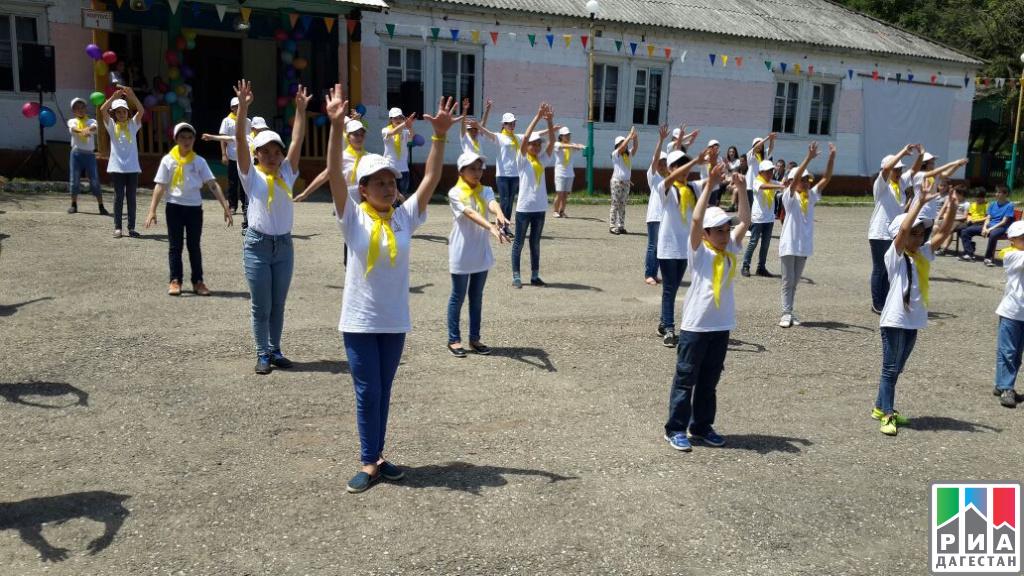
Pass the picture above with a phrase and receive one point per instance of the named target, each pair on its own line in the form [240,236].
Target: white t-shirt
[190,192]
[349,165]
[124,151]
[763,210]
[377,303]
[87,144]
[227,128]
[1012,304]
[467,144]
[705,170]
[508,154]
[797,238]
[533,193]
[674,232]
[278,217]
[894,314]
[654,201]
[563,167]
[887,207]
[931,209]
[469,244]
[621,170]
[699,311]
[398,158]
[752,166]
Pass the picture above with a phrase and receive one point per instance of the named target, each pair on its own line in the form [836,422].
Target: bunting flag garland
[174,5]
[121,2]
[329,23]
[682,57]
[294,17]
[350,25]
[583,39]
[618,45]
[435,32]
[568,39]
[306,21]
[650,50]
[512,36]
[494,38]
[899,77]
[551,40]
[668,53]
[796,69]
[391,30]
[474,35]
[850,73]
[810,69]
[221,10]
[423,33]
[768,65]
[782,66]
[532,38]
[910,77]
[712,58]
[455,34]
[245,12]
[874,74]
[725,60]
[934,78]
[632,48]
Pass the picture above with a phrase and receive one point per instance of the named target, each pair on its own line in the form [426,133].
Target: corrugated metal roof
[366,3]
[814,22]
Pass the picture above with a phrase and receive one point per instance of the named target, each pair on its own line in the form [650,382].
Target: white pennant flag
[220,11]
[423,33]
[1000,82]
[682,57]
[512,36]
[174,5]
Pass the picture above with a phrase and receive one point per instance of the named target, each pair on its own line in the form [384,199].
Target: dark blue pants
[373,360]
[404,182]
[125,186]
[461,284]
[651,260]
[508,190]
[692,402]
[967,239]
[1009,346]
[879,275]
[672,271]
[897,344]
[184,226]
[534,222]
[759,233]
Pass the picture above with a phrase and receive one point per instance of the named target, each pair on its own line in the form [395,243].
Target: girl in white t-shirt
[181,176]
[709,313]
[622,175]
[1010,341]
[469,249]
[375,306]
[267,177]
[907,263]
[762,214]
[532,204]
[564,172]
[890,192]
[83,155]
[760,150]
[123,163]
[469,128]
[796,242]
[656,173]
[397,135]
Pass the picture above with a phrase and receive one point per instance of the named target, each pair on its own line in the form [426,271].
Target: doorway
[212,88]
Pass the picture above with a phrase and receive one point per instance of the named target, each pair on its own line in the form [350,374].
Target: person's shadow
[419,289]
[15,393]
[466,477]
[571,286]
[328,366]
[741,346]
[837,326]
[431,238]
[11,309]
[765,444]
[535,357]
[28,517]
[940,423]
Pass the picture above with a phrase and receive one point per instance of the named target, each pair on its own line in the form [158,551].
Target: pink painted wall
[722,103]
[520,87]
[960,126]
[851,112]
[74,69]
[371,77]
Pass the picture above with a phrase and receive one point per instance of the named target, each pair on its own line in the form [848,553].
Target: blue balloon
[418,140]
[321,120]
[361,109]
[170,97]
[46,117]
[289,46]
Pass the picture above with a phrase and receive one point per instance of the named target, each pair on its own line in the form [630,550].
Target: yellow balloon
[102,68]
[181,90]
[173,73]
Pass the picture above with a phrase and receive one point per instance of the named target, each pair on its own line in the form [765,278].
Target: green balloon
[97,98]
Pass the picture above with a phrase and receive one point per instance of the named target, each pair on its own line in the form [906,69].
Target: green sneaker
[888,425]
[901,420]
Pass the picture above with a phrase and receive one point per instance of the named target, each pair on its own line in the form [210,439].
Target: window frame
[647,68]
[476,103]
[805,99]
[625,99]
[832,109]
[622,68]
[386,55]
[42,37]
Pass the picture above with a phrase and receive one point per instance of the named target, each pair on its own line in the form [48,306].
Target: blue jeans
[508,189]
[879,275]
[671,277]
[1009,346]
[651,260]
[534,221]
[82,161]
[268,262]
[897,344]
[967,239]
[373,360]
[403,183]
[693,400]
[758,233]
[474,283]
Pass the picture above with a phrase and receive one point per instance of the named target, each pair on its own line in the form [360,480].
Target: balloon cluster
[101,60]
[176,91]
[294,65]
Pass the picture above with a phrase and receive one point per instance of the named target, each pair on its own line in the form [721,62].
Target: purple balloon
[293,89]
[187,71]
[290,73]
[94,51]
[151,101]
[418,140]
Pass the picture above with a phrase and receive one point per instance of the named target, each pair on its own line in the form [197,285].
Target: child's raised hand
[831,148]
[302,98]
[336,105]
[663,131]
[444,119]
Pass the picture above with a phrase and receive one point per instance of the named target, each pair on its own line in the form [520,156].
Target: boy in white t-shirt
[890,191]
[907,263]
[83,155]
[1010,342]
[708,315]
[229,157]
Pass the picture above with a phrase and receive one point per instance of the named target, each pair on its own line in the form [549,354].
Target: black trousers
[184,226]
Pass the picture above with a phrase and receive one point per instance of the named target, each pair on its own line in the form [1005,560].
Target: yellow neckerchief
[473,141]
[768,194]
[82,125]
[759,157]
[273,180]
[397,143]
[719,270]
[380,223]
[538,169]
[566,152]
[233,116]
[473,193]
[923,269]
[686,199]
[512,135]
[804,203]
[1003,253]
[178,179]
[121,131]
[895,186]
[627,161]
[358,155]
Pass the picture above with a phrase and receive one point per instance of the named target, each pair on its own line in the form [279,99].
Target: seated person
[998,217]
[962,211]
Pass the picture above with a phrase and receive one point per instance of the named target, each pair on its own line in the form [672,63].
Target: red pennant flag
[351,25]
[668,53]
[874,74]
[810,70]
[934,78]
[584,39]
[494,38]
[739,61]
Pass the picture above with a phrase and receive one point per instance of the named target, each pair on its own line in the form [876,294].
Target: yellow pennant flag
[119,3]
[329,22]
[568,39]
[796,68]
[475,36]
[725,60]
[245,13]
[650,50]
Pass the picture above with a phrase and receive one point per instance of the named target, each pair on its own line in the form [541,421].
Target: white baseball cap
[564,130]
[1016,229]
[756,141]
[619,140]
[266,137]
[712,143]
[467,158]
[792,174]
[715,217]
[894,226]
[353,126]
[183,126]
[928,157]
[373,163]
[395,113]
[76,101]
[234,102]
[674,156]
[888,159]
[534,137]
[508,118]
[119,103]
[258,123]
[765,166]
[676,132]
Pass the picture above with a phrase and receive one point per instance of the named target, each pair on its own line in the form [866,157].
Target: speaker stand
[41,154]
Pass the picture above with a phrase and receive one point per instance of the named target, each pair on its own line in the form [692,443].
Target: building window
[15,31]
[787,95]
[405,80]
[606,92]
[647,96]
[822,98]
[458,76]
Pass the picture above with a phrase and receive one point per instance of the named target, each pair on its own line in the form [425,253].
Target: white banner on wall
[899,114]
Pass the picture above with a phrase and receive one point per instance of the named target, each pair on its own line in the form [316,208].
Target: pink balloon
[30,109]
[109,57]
[283,101]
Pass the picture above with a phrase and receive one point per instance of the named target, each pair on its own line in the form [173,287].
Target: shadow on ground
[28,517]
[17,392]
[472,478]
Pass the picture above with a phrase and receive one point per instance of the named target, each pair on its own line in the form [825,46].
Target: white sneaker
[989,263]
[747,235]
[795,320]
[787,321]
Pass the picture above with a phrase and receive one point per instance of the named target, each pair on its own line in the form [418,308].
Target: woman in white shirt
[181,176]
[83,155]
[469,249]
[622,175]
[375,306]
[469,128]
[907,263]
[123,164]
[796,242]
[564,171]
[532,204]
[397,135]
[890,192]
[267,252]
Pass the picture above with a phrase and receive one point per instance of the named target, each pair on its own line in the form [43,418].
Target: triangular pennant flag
[474,35]
[725,60]
[306,21]
[618,45]
[886,79]
[174,5]
[293,18]
[119,3]
[810,70]
[221,10]
[494,38]
[849,73]
[682,57]
[350,24]
[455,34]
[796,68]
[768,64]
[899,76]
[874,74]
[568,39]
[423,33]
[910,77]
[583,39]
[391,30]
[329,22]
[739,61]
[712,58]
[245,12]
[512,36]
[532,38]
[435,32]
[967,81]
[196,9]
[782,66]
[1000,82]
[632,48]
[650,50]
[934,78]
[668,53]
[551,40]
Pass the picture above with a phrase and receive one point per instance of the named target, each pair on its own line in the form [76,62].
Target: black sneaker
[479,348]
[278,359]
[661,330]
[537,282]
[764,273]
[134,234]
[457,352]
[103,211]
[360,482]
[263,364]
[73,209]
[1008,398]
[745,272]
[614,231]
[389,471]
[670,340]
